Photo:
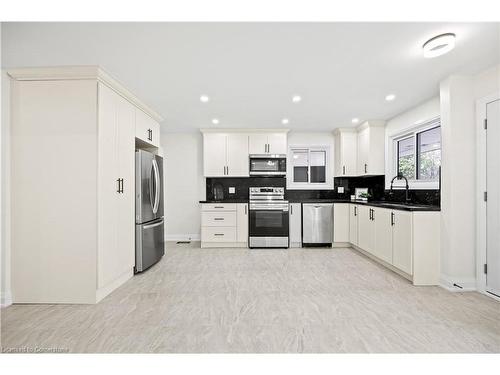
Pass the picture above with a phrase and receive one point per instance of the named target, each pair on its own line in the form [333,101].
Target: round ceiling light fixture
[355,120]
[204,99]
[215,121]
[439,45]
[296,98]
[390,97]
[285,121]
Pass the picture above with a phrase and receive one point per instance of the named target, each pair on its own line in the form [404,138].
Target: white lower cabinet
[295,224]
[353,224]
[365,228]
[381,219]
[402,238]
[340,222]
[224,225]
[405,241]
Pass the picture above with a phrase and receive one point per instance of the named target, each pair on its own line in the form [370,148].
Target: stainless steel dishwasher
[317,224]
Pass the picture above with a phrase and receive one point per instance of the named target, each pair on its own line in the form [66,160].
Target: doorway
[492,198]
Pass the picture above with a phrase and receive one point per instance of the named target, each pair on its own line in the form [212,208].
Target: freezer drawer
[317,224]
[149,244]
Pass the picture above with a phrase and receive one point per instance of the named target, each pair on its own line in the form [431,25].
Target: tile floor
[239,300]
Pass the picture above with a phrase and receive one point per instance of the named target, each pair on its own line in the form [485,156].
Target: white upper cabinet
[214,155]
[346,145]
[225,155]
[268,143]
[371,148]
[146,128]
[237,161]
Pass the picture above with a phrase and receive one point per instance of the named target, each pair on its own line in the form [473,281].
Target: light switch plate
[340,189]
[232,190]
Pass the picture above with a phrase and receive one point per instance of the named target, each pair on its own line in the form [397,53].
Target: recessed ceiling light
[204,98]
[215,121]
[285,121]
[439,45]
[390,97]
[355,120]
[296,98]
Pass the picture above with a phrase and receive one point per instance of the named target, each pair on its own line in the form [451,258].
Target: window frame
[415,183]
[327,185]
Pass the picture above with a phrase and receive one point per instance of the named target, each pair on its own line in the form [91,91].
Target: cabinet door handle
[355,211]
[365,168]
[227,170]
[122,185]
[373,215]
[218,207]
[392,218]
[118,181]
[218,218]
[245,209]
[343,169]
[218,234]
[150,135]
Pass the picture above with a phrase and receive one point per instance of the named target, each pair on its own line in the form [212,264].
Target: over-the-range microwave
[267,165]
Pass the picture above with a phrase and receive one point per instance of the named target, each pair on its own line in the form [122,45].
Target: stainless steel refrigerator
[149,220]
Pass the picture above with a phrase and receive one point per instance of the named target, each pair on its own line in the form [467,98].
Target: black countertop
[381,204]
[227,201]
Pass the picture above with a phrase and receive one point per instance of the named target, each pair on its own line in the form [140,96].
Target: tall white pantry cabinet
[73,171]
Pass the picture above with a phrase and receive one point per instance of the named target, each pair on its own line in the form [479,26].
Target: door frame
[480,189]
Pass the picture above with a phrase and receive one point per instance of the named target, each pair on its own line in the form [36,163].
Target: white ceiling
[251,70]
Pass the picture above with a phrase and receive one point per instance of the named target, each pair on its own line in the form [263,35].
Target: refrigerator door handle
[153,225]
[157,186]
[151,173]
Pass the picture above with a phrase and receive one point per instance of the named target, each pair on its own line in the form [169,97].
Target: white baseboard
[182,237]
[6,299]
[457,284]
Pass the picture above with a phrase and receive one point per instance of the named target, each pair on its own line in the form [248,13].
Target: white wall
[5,290]
[404,122]
[184,184]
[458,195]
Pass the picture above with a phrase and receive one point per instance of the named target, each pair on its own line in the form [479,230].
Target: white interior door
[493,202]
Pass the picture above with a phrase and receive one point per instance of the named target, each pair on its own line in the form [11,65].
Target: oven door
[268,224]
[265,165]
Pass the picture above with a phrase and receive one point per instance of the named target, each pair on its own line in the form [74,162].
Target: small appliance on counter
[149,228]
[361,194]
[217,192]
[267,165]
[268,219]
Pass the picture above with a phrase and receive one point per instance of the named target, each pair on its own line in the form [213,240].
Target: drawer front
[218,234]
[218,219]
[218,207]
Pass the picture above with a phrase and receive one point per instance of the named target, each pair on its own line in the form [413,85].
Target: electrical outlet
[232,190]
[340,189]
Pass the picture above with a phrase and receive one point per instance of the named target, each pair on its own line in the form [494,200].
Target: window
[309,168]
[418,153]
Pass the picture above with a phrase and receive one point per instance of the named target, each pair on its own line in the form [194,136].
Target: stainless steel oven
[267,165]
[268,219]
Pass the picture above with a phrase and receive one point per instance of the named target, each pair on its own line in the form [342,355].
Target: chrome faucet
[399,176]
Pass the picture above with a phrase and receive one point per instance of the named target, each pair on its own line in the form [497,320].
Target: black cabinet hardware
[392,218]
[218,218]
[118,181]
[343,169]
[355,211]
[150,135]
[218,234]
[365,168]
